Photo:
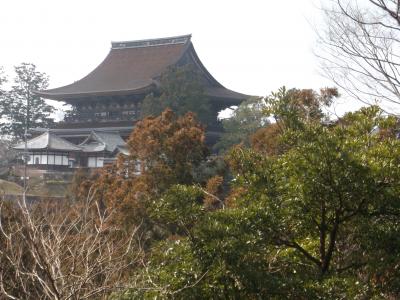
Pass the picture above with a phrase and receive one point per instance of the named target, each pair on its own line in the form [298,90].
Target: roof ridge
[61,139]
[32,139]
[48,136]
[180,39]
[91,134]
[106,131]
[100,139]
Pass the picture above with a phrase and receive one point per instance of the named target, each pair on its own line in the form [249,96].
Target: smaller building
[51,152]
[101,148]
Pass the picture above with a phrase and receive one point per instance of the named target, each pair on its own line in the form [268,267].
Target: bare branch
[56,252]
[359,50]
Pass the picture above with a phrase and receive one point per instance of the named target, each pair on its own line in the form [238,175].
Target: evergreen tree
[3,79]
[181,90]
[245,120]
[21,107]
[3,93]
[319,219]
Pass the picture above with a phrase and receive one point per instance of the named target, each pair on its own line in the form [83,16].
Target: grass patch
[48,188]
[10,188]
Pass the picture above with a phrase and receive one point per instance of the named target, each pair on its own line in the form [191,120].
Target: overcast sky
[252,47]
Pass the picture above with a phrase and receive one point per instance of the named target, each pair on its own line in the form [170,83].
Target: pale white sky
[253,46]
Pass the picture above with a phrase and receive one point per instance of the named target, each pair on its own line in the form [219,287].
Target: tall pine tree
[20,107]
[3,79]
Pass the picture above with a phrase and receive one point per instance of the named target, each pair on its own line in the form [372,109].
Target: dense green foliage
[244,121]
[180,89]
[20,107]
[312,210]
[319,220]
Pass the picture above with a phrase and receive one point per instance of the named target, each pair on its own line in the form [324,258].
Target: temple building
[106,103]
[51,152]
[100,148]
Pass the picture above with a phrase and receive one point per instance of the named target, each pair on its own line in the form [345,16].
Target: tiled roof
[122,149]
[125,69]
[97,141]
[134,66]
[93,147]
[221,92]
[48,141]
[102,141]
[111,140]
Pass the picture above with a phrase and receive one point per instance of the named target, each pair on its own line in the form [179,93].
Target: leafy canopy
[318,220]
[164,151]
[181,89]
[245,120]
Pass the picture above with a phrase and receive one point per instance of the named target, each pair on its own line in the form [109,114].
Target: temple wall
[43,158]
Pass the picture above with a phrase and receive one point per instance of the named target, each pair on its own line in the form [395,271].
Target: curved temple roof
[132,67]
[97,141]
[48,141]
[102,141]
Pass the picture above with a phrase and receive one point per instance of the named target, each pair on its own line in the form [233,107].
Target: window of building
[129,112]
[101,114]
[92,162]
[99,162]
[95,162]
[71,163]
[58,160]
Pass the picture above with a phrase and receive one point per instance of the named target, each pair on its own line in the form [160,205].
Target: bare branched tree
[63,253]
[359,49]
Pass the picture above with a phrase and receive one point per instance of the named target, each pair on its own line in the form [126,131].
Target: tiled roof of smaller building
[102,141]
[93,147]
[122,149]
[48,141]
